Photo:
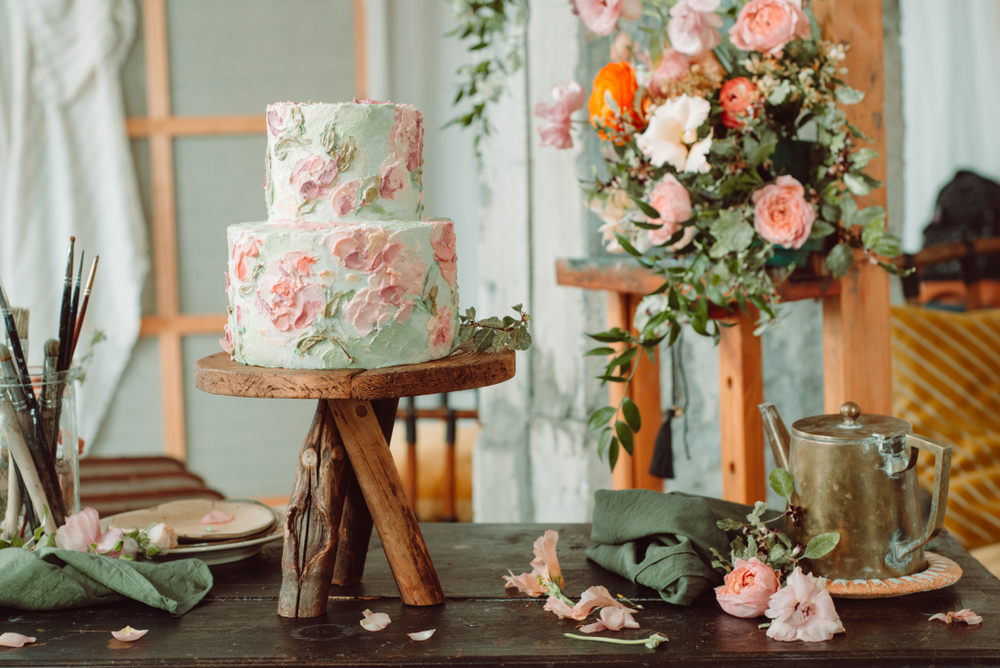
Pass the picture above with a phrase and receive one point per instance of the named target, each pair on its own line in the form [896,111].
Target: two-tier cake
[345,273]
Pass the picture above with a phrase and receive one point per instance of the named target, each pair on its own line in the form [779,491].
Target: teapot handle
[939,500]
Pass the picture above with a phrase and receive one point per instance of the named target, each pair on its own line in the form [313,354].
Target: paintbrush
[73,307]
[64,315]
[51,393]
[83,306]
[21,319]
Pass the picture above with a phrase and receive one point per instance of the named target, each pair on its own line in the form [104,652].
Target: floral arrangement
[723,155]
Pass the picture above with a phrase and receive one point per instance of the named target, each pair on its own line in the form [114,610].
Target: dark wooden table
[482,624]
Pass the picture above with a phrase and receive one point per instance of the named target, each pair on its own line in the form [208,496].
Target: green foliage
[493,333]
[822,545]
[781,482]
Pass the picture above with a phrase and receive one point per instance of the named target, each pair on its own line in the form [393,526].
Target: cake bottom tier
[362,295]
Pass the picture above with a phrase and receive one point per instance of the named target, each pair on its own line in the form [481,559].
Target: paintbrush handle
[83,306]
[13,511]
[41,497]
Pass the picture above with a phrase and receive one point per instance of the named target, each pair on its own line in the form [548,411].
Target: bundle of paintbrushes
[38,494]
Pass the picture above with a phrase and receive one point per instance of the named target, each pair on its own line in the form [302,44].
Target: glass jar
[55,431]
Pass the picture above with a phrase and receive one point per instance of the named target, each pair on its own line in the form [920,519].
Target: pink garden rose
[673,66]
[601,16]
[311,175]
[781,213]
[747,589]
[803,610]
[768,25]
[80,532]
[694,26]
[671,199]
[568,98]
[441,333]
[443,243]
[344,197]
[395,179]
[289,295]
[406,137]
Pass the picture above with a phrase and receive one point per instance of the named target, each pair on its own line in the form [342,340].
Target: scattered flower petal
[128,634]
[964,615]
[15,640]
[375,621]
[216,517]
[422,635]
[526,583]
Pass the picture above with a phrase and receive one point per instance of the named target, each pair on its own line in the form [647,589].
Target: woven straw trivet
[940,572]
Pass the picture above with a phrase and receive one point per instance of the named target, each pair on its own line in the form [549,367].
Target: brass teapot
[855,474]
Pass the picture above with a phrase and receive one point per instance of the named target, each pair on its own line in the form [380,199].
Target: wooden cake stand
[346,477]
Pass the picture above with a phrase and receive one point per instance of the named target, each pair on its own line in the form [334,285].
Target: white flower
[612,211]
[672,128]
[697,158]
[162,536]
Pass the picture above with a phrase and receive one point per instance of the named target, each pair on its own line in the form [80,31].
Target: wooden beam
[360,47]
[186,126]
[857,363]
[206,323]
[741,390]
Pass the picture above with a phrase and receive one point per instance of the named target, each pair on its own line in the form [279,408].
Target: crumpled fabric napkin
[663,541]
[54,579]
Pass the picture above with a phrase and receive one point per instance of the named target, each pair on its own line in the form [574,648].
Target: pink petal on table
[216,517]
[375,621]
[593,628]
[15,640]
[964,615]
[422,635]
[128,634]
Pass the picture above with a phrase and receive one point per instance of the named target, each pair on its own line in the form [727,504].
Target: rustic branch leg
[397,527]
[356,525]
[313,520]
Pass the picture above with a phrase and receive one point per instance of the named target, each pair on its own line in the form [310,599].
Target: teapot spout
[777,434]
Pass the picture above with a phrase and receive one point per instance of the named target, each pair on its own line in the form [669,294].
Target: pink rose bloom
[289,295]
[80,532]
[803,610]
[747,589]
[106,545]
[439,326]
[395,179]
[310,175]
[781,213]
[673,66]
[601,16]
[694,26]
[568,98]
[443,243]
[671,199]
[344,197]
[768,25]
[406,137]
[227,341]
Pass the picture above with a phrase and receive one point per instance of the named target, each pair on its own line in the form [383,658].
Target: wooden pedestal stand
[346,478]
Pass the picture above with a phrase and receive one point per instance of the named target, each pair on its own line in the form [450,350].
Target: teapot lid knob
[851,412]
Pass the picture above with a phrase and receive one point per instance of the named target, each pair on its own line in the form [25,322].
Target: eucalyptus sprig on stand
[493,333]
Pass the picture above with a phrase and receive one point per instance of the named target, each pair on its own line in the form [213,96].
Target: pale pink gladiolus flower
[803,610]
[694,26]
[768,25]
[16,639]
[747,589]
[568,97]
[601,16]
[128,634]
[80,532]
[612,619]
[964,615]
[545,554]
[526,583]
[560,608]
[216,517]
[375,621]
[781,213]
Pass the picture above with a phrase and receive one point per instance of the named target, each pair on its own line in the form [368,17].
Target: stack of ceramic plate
[252,525]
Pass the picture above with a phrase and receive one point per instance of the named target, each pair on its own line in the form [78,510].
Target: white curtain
[66,169]
[951,100]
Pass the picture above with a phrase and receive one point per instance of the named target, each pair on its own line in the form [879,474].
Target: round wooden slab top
[464,369]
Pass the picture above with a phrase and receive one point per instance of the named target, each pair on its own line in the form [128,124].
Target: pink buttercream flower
[781,213]
[395,179]
[277,117]
[245,248]
[803,610]
[227,341]
[555,131]
[406,137]
[367,311]
[344,197]
[964,615]
[443,243]
[289,295]
[601,16]
[311,175]
[671,199]
[81,531]
[442,337]
[747,589]
[768,25]
[694,26]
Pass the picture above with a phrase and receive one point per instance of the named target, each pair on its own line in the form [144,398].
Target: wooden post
[313,520]
[379,480]
[741,390]
[857,361]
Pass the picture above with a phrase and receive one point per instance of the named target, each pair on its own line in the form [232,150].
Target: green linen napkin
[663,541]
[53,579]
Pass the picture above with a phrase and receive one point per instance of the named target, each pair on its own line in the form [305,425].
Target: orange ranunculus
[618,80]
[735,97]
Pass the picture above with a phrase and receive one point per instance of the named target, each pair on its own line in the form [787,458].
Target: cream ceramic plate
[249,519]
[214,554]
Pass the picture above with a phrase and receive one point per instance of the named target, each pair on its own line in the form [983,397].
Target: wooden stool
[346,478]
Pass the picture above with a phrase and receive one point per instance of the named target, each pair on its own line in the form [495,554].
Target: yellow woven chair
[946,381]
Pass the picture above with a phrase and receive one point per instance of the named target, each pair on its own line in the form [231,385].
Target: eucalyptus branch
[493,333]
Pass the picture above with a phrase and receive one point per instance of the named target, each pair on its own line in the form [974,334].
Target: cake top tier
[344,162]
